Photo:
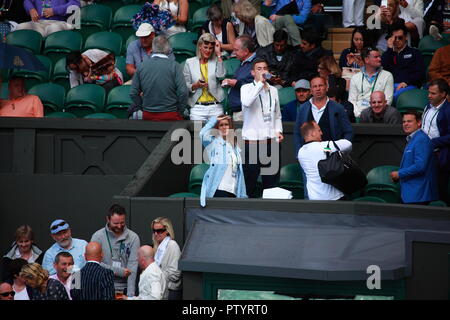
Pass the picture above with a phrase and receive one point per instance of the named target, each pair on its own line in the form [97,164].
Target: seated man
[308,59]
[281,59]
[380,111]
[302,94]
[48,16]
[405,63]
[20,104]
[310,154]
[333,95]
[440,64]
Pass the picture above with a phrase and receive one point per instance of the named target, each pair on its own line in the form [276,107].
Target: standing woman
[179,9]
[201,74]
[351,57]
[225,177]
[167,255]
[222,29]
[43,288]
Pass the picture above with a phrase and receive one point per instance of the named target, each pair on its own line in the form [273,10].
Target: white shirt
[309,155]
[429,125]
[152,284]
[21,295]
[261,112]
[316,112]
[229,179]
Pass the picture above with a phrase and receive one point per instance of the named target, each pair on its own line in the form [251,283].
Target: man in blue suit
[417,172]
[436,124]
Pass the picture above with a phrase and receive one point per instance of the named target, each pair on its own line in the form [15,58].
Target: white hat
[145,29]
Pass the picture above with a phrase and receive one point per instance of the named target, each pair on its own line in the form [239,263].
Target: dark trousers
[254,162]
[443,179]
[223,194]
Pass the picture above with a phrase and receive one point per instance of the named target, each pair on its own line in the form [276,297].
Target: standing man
[302,95]
[152,283]
[93,282]
[62,234]
[262,130]
[436,124]
[163,76]
[380,111]
[371,78]
[244,49]
[63,266]
[120,246]
[417,172]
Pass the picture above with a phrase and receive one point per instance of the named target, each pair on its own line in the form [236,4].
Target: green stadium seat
[113,4]
[291,179]
[60,114]
[127,43]
[100,115]
[183,45]
[52,96]
[105,40]
[196,177]
[380,184]
[4,91]
[118,101]
[231,65]
[4,75]
[85,99]
[438,203]
[415,99]
[194,5]
[33,78]
[122,20]
[28,39]
[184,195]
[286,95]
[95,18]
[428,44]
[59,44]
[61,74]
[198,19]
[369,199]
[122,66]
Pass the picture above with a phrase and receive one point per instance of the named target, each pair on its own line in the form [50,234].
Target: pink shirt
[27,106]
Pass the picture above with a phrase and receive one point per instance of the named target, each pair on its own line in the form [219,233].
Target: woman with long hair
[351,57]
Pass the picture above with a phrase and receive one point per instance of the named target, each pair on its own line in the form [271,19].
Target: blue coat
[418,180]
[340,127]
[443,142]
[217,151]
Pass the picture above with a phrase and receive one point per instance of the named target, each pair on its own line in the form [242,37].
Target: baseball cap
[303,84]
[58,225]
[144,30]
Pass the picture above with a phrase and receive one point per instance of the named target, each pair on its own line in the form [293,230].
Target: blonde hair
[206,37]
[245,11]
[169,228]
[330,64]
[37,274]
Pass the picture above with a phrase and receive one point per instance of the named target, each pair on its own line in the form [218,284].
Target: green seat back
[198,19]
[59,44]
[122,66]
[85,99]
[52,96]
[95,18]
[4,91]
[381,176]
[438,203]
[183,42]
[122,20]
[184,195]
[231,65]
[286,95]
[196,177]
[28,39]
[370,199]
[428,44]
[415,99]
[291,179]
[390,195]
[118,101]
[104,40]
[100,115]
[33,78]
[60,74]
[60,114]
[130,39]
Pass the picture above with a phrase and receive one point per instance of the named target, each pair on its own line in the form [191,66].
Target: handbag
[341,171]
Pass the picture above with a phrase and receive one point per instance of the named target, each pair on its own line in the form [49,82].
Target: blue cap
[302,84]
[58,225]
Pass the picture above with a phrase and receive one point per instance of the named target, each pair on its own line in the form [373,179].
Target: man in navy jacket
[417,173]
[405,63]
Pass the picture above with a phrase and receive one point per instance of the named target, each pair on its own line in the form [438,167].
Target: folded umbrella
[12,57]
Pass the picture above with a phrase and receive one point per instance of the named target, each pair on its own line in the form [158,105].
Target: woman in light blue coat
[224,177]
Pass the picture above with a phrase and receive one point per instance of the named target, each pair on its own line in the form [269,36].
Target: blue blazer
[340,126]
[443,142]
[418,180]
[217,151]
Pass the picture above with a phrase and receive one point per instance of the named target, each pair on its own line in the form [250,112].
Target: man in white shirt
[63,266]
[262,130]
[152,283]
[310,154]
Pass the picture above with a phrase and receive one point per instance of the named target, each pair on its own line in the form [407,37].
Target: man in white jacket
[371,78]
[152,283]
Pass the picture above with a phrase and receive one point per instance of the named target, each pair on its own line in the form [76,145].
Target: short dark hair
[366,52]
[64,254]
[259,60]
[247,42]
[397,27]
[312,37]
[413,112]
[116,209]
[16,266]
[306,127]
[442,85]
[280,35]
[73,58]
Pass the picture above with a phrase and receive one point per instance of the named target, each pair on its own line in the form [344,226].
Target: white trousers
[203,113]
[45,27]
[353,12]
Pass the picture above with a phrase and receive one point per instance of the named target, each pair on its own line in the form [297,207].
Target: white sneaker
[434,33]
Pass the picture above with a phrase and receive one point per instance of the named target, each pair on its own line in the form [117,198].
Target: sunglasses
[159,231]
[9,293]
[58,225]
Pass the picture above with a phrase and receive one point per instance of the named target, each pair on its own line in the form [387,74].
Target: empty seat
[33,78]
[122,66]
[52,96]
[85,99]
[61,74]
[122,20]
[118,101]
[196,177]
[415,99]
[58,44]
[183,45]
[198,19]
[28,39]
[291,179]
[286,95]
[428,44]
[380,184]
[104,40]
[231,65]
[60,114]
[95,18]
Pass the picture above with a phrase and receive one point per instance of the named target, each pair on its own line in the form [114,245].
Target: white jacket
[152,284]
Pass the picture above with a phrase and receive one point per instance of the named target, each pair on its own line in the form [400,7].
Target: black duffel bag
[341,171]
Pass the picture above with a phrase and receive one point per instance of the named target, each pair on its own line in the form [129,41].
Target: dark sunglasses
[58,225]
[9,293]
[159,231]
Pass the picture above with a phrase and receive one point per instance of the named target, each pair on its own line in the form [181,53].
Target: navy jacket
[407,66]
[243,76]
[443,142]
[418,181]
[340,127]
[93,282]
[289,112]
